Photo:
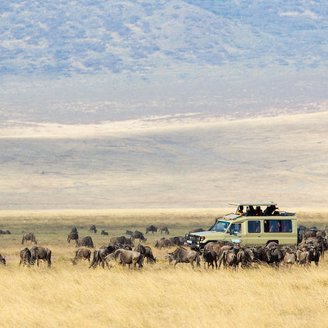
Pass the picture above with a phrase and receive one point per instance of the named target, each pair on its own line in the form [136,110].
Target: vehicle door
[235,231]
[253,234]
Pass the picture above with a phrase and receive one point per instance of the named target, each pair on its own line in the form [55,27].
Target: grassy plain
[157,296]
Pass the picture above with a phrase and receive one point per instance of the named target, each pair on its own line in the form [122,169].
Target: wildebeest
[100,254]
[25,256]
[228,257]
[178,240]
[93,228]
[104,233]
[147,252]
[274,255]
[164,230]
[2,260]
[302,256]
[163,243]
[138,235]
[5,232]
[183,255]
[289,256]
[73,235]
[129,232]
[29,236]
[122,240]
[210,259]
[86,242]
[81,254]
[216,246]
[126,257]
[314,254]
[245,257]
[151,229]
[74,229]
[40,253]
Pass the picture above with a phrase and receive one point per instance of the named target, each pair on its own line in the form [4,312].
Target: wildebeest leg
[37,261]
[216,263]
[176,262]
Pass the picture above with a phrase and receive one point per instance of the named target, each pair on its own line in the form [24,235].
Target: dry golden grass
[157,296]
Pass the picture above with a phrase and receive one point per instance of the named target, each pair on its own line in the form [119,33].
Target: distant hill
[66,37]
[91,61]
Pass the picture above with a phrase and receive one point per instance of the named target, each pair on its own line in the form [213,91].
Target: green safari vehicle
[252,224]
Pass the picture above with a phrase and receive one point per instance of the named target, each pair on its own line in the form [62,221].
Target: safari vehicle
[253,224]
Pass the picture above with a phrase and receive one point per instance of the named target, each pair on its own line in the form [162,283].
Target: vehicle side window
[286,226]
[254,226]
[235,228]
[277,226]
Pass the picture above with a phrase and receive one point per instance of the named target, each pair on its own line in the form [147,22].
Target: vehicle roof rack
[253,204]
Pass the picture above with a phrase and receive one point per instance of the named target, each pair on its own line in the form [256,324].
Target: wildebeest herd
[130,251]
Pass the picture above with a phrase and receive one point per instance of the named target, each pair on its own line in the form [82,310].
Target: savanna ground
[158,295]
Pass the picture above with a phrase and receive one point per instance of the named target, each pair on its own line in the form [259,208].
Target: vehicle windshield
[220,226]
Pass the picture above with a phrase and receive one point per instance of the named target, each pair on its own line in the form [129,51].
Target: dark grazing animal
[40,253]
[210,259]
[164,230]
[86,242]
[129,232]
[73,236]
[104,233]
[151,229]
[245,257]
[314,254]
[5,232]
[163,243]
[74,229]
[178,241]
[93,228]
[126,257]
[122,240]
[29,236]
[82,254]
[25,257]
[228,257]
[216,246]
[183,255]
[147,252]
[302,256]
[274,255]
[100,254]
[2,260]
[138,235]
[289,256]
